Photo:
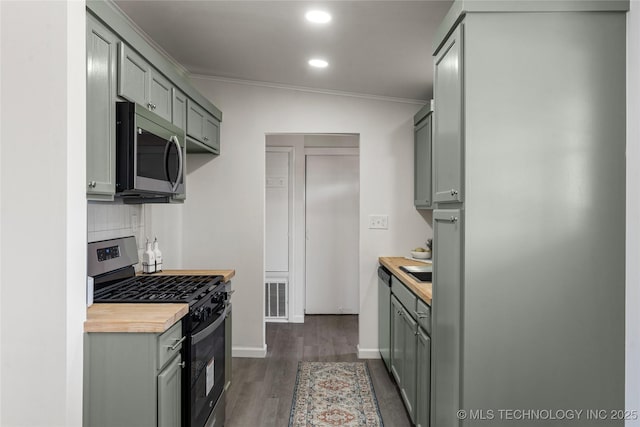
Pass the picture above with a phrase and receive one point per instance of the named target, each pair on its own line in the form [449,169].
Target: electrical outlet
[380,222]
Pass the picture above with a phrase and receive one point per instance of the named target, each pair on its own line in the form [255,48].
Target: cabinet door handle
[177,343]
[149,106]
[454,192]
[153,106]
[183,364]
[206,138]
[92,184]
[453,219]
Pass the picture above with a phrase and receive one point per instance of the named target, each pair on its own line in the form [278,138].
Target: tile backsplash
[110,221]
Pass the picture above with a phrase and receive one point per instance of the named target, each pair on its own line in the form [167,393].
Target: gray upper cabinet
[447,118]
[160,95]
[143,75]
[101,105]
[179,109]
[139,82]
[212,132]
[422,159]
[133,75]
[203,130]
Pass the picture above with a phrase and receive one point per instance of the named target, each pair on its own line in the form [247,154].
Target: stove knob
[198,315]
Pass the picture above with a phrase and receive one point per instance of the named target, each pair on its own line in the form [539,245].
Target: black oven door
[207,360]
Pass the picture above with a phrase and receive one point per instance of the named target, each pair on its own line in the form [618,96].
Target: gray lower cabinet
[203,130]
[445,378]
[410,350]
[101,110]
[422,158]
[139,82]
[403,358]
[170,394]
[133,379]
[423,375]
[384,320]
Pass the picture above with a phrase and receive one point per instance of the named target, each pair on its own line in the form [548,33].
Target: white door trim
[292,267]
[331,151]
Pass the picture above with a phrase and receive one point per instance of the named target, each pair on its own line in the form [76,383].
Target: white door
[332,206]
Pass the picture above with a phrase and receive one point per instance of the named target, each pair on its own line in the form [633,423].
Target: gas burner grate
[158,289]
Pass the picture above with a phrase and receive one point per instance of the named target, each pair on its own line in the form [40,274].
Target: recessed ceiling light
[318,63]
[318,16]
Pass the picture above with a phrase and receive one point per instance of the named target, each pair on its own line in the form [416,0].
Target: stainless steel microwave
[150,154]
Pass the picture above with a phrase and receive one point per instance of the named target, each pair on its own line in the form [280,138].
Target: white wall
[43,222]
[112,220]
[632,392]
[224,213]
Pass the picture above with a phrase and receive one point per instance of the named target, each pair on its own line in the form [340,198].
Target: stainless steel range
[110,264]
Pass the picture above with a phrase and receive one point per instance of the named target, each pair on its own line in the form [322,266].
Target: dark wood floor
[262,389]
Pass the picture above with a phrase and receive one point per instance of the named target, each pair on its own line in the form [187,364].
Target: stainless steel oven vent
[276,299]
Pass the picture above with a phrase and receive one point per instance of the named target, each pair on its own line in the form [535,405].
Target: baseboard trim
[253,352]
[297,319]
[368,353]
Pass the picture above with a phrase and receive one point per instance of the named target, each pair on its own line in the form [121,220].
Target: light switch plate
[380,222]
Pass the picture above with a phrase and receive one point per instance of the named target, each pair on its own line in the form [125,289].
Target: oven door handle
[206,331]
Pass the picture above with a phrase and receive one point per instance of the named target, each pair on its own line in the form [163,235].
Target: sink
[420,273]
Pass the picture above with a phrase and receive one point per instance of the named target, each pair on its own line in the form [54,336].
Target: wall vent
[276,302]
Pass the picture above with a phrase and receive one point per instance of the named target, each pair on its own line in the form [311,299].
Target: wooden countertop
[422,289]
[142,317]
[227,274]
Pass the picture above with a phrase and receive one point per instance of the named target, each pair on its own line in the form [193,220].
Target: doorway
[323,227]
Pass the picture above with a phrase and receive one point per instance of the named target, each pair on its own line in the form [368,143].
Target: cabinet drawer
[423,315]
[169,344]
[404,295]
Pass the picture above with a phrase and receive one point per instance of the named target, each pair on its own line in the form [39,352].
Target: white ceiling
[378,48]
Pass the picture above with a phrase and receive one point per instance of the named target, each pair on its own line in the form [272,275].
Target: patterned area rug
[334,394]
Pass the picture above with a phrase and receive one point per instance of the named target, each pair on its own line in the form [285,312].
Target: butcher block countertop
[142,317]
[422,289]
[227,274]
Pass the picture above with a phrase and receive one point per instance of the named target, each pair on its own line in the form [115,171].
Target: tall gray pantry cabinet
[529,219]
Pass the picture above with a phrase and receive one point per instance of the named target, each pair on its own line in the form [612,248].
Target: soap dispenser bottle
[148,259]
[158,255]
